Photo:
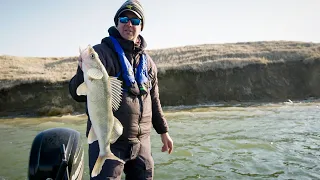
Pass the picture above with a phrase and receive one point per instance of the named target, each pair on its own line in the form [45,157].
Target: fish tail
[98,166]
[100,161]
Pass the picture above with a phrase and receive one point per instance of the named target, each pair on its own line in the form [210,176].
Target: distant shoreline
[25,70]
[192,75]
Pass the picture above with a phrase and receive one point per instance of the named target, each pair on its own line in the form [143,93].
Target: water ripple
[259,141]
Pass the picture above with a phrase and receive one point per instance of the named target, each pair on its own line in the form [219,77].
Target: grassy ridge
[24,70]
[225,56]
[21,70]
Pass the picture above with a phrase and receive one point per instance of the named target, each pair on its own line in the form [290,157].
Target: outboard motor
[56,154]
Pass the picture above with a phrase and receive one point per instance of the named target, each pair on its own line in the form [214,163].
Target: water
[244,141]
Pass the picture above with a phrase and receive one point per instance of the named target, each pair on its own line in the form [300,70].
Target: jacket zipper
[141,111]
[140,115]
[139,98]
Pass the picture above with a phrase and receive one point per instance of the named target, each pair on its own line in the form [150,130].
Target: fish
[104,95]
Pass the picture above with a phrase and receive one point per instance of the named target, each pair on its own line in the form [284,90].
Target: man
[140,107]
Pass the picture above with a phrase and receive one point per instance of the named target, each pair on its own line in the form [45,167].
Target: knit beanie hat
[133,6]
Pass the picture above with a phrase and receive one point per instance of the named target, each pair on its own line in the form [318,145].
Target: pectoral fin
[116,131]
[94,73]
[92,136]
[82,89]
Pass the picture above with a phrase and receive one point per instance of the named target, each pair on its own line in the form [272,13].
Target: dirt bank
[295,80]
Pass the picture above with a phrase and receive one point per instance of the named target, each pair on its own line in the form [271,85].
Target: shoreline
[171,110]
[192,75]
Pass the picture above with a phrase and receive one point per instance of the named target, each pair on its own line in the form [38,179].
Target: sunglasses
[134,21]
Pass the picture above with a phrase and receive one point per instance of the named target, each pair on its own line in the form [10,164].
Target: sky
[47,28]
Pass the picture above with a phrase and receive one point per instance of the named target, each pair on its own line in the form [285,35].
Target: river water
[218,141]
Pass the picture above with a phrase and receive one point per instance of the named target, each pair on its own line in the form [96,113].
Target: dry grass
[17,70]
[212,56]
[54,111]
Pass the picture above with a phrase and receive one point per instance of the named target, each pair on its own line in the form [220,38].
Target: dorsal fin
[116,92]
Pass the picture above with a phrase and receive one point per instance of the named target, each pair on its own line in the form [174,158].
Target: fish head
[89,58]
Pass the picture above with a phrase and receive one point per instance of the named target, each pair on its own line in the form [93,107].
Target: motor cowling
[56,154]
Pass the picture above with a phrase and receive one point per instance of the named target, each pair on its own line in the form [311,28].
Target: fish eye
[92,56]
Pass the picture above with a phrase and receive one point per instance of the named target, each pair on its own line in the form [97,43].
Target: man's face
[128,30]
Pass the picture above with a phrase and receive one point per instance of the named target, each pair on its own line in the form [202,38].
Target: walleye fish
[103,97]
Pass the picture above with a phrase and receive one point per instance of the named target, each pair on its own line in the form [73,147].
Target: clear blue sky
[50,28]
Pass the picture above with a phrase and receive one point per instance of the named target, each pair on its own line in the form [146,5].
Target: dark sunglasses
[134,21]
